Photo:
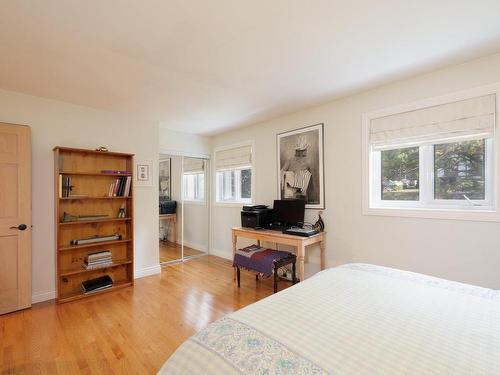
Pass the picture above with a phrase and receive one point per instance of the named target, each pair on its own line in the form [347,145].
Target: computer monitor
[288,212]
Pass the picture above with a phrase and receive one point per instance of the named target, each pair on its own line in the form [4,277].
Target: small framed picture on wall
[300,165]
[144,173]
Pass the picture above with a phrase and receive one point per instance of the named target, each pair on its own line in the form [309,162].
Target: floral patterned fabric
[250,352]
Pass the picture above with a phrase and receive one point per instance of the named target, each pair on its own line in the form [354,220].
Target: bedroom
[86,76]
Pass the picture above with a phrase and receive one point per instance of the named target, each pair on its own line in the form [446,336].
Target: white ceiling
[208,65]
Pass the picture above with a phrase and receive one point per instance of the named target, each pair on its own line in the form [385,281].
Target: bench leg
[275,279]
[238,275]
[294,273]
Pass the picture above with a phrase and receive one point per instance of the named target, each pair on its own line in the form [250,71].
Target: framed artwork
[165,171]
[300,165]
[144,173]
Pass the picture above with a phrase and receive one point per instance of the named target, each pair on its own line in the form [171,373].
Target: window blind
[469,118]
[237,157]
[193,165]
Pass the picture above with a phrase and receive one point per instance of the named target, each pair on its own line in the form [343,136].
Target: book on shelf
[120,187]
[96,239]
[64,186]
[97,260]
[99,283]
[111,171]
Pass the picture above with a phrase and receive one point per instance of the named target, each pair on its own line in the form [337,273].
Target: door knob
[20,227]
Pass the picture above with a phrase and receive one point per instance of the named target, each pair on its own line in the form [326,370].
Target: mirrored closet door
[195,208]
[184,208]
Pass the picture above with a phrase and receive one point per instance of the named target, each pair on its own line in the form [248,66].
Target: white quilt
[354,319]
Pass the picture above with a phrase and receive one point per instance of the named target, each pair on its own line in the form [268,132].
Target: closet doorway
[184,207]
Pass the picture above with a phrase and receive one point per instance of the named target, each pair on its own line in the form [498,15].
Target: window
[234,175]
[434,158]
[194,186]
[399,177]
[234,185]
[454,175]
[193,179]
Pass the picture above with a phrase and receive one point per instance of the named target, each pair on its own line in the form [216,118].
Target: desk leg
[322,247]
[235,240]
[174,231]
[301,251]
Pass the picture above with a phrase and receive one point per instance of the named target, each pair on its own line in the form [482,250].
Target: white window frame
[238,202]
[427,207]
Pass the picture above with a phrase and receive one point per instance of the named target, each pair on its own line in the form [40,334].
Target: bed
[354,319]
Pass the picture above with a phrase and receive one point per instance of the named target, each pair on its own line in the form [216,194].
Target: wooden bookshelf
[91,188]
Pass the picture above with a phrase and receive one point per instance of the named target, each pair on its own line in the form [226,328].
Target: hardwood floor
[172,251]
[130,331]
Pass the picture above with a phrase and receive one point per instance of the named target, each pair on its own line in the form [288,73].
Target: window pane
[459,170]
[246,183]
[200,194]
[400,179]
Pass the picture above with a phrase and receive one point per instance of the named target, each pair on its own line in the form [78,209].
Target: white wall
[56,123]
[460,250]
[179,143]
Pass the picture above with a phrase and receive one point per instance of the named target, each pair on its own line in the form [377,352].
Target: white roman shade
[469,118]
[237,157]
[193,165]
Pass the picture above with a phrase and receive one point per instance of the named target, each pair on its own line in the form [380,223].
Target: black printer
[256,217]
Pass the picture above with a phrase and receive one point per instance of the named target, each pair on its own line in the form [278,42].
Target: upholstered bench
[263,261]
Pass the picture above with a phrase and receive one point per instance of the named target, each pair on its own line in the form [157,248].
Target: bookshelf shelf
[76,271]
[89,198]
[108,220]
[97,244]
[94,174]
[78,295]
[82,170]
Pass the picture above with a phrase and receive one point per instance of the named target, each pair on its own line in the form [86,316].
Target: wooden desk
[276,237]
[173,219]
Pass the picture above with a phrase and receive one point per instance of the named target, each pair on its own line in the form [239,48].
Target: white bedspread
[354,319]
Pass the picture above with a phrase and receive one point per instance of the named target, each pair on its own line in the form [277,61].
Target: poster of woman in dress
[300,164]
[164,174]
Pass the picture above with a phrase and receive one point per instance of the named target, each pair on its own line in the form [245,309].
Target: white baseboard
[37,297]
[147,271]
[222,254]
[196,246]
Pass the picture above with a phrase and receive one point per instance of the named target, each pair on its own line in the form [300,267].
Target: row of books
[98,260]
[64,186]
[121,187]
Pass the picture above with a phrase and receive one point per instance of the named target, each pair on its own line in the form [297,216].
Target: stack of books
[98,260]
[94,285]
[121,187]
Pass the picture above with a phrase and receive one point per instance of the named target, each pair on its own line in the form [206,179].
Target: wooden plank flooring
[131,331]
[172,251]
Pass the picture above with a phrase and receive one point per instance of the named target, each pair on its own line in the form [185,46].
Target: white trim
[195,203]
[488,213]
[196,246]
[38,297]
[147,271]
[222,254]
[166,152]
